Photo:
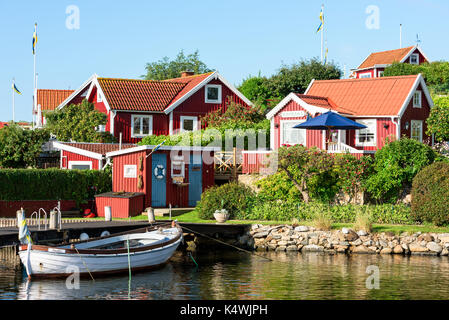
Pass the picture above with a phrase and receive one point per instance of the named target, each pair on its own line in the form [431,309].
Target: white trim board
[163,148]
[74,94]
[292,96]
[419,81]
[90,154]
[82,163]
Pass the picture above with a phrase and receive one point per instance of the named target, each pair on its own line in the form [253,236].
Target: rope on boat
[190,254]
[84,263]
[227,244]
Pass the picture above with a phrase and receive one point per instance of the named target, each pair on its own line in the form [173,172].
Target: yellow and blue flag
[15,88]
[322,21]
[158,146]
[34,38]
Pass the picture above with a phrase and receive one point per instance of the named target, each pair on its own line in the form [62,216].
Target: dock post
[150,214]
[169,210]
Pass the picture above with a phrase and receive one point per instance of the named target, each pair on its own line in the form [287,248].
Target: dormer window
[213,93]
[414,58]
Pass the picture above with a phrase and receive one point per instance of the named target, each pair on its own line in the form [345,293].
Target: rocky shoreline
[286,238]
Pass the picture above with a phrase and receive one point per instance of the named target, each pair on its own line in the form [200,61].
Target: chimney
[187,73]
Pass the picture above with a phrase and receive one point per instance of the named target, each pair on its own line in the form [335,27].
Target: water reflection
[240,276]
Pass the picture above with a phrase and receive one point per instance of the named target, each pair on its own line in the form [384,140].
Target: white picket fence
[12,223]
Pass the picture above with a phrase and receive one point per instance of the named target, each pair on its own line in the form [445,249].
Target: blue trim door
[195,179]
[159,180]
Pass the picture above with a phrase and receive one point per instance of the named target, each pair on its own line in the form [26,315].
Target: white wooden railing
[340,147]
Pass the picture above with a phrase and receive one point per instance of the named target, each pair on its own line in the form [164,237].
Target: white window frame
[414,55]
[99,96]
[101,128]
[206,100]
[178,161]
[80,163]
[130,171]
[139,135]
[421,125]
[357,134]
[281,127]
[195,123]
[361,75]
[417,92]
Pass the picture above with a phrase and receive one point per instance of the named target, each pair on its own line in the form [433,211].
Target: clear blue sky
[238,38]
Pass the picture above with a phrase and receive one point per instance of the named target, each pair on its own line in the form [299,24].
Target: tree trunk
[299,186]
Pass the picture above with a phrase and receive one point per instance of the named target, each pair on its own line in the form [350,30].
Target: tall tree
[78,122]
[297,77]
[168,69]
[20,148]
[438,121]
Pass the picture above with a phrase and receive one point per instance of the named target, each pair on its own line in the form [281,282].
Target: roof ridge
[192,76]
[372,79]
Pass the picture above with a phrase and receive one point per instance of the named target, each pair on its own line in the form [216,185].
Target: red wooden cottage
[175,176]
[138,108]
[374,65]
[390,107]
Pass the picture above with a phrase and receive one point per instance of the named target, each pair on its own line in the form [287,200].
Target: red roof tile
[385,57]
[50,99]
[100,148]
[366,97]
[147,95]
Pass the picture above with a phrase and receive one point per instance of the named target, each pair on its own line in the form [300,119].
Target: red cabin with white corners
[376,63]
[138,108]
[390,107]
[175,176]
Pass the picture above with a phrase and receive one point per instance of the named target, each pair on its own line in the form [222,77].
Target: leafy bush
[289,210]
[430,194]
[395,166]
[20,148]
[353,173]
[235,197]
[278,187]
[53,184]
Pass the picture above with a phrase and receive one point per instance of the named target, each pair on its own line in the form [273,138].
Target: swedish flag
[322,21]
[15,88]
[34,38]
[158,146]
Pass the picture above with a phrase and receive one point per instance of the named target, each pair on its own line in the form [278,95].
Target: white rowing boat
[139,250]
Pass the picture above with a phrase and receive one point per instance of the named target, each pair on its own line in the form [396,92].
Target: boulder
[312,248]
[362,233]
[434,247]
[362,249]
[414,247]
[292,248]
[386,251]
[302,229]
[262,234]
[281,248]
[398,249]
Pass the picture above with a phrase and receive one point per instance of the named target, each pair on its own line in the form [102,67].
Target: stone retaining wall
[308,239]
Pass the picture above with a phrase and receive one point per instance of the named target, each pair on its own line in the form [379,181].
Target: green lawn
[377,228]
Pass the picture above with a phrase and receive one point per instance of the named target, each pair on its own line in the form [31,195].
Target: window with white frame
[416,130]
[290,135]
[365,75]
[366,137]
[417,99]
[189,123]
[101,128]
[213,93]
[141,126]
[414,58]
[80,165]
[99,96]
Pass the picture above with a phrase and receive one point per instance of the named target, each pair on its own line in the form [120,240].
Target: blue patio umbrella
[330,121]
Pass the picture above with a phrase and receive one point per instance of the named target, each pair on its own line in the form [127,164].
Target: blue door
[195,179]
[159,180]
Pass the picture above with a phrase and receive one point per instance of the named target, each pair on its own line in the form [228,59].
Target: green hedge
[286,211]
[53,184]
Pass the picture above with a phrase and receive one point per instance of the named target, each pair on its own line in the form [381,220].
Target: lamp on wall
[407,125]
[386,126]
[276,125]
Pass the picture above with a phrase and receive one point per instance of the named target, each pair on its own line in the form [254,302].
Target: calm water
[235,275]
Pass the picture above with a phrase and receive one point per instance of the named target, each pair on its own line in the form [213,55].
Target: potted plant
[221,215]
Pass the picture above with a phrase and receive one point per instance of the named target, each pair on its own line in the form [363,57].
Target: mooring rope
[129,268]
[227,244]
[84,263]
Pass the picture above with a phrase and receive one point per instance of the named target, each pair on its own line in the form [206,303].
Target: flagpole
[34,77]
[13,101]
[322,35]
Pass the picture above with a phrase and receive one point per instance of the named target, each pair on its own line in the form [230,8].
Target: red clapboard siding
[119,183]
[412,113]
[70,156]
[120,207]
[195,105]
[122,124]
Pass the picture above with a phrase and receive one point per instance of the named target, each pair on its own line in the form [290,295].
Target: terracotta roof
[100,148]
[385,57]
[147,95]
[50,99]
[366,97]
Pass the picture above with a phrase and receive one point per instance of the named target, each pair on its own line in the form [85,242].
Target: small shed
[123,204]
[171,175]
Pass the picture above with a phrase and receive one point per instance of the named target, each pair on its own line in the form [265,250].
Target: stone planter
[221,215]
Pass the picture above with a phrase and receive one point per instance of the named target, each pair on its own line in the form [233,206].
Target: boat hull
[63,262]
